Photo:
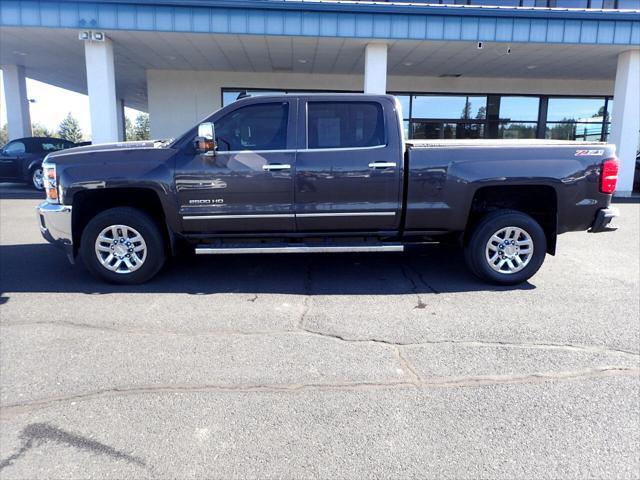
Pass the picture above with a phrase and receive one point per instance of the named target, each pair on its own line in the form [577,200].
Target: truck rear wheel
[507,247]
[122,245]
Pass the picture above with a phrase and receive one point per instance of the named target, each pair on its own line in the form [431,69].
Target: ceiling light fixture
[302,60]
[408,64]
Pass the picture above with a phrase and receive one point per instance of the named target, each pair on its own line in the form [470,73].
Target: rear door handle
[274,167]
[382,164]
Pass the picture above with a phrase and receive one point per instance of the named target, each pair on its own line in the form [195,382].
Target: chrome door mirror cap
[206,130]
[205,141]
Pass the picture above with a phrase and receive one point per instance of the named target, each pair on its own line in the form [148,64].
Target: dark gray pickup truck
[321,173]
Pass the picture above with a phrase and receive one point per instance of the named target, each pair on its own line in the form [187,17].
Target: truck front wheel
[506,247]
[122,245]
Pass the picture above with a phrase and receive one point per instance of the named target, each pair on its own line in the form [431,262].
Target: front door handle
[274,167]
[382,164]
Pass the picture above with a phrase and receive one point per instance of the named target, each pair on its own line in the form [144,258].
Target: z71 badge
[589,153]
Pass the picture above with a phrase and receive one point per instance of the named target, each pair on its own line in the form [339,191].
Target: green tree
[482,113]
[128,129]
[466,111]
[4,135]
[69,129]
[141,127]
[39,130]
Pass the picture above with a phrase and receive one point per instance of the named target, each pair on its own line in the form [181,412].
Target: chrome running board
[204,250]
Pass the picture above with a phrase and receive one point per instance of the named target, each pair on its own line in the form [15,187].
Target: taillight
[609,175]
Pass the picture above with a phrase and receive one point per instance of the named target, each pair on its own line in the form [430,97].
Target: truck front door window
[344,125]
[254,127]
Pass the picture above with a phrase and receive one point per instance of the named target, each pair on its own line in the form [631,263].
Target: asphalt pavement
[319,366]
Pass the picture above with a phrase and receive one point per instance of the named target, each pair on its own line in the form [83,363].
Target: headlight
[50,182]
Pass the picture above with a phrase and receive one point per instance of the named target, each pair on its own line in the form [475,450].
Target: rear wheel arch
[538,201]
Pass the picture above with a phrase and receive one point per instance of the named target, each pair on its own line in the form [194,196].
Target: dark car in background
[21,159]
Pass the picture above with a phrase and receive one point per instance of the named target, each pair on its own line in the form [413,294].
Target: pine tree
[39,130]
[4,135]
[141,127]
[69,129]
[466,111]
[129,134]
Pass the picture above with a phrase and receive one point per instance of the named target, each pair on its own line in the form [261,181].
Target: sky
[51,104]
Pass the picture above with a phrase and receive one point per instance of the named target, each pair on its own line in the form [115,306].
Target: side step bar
[300,249]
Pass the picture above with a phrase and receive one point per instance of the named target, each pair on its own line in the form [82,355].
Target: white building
[565,69]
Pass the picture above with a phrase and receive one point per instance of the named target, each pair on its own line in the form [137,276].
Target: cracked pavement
[325,366]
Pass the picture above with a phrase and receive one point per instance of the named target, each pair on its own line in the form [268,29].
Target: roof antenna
[242,95]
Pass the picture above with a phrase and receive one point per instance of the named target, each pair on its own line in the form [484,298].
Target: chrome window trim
[341,149]
[238,152]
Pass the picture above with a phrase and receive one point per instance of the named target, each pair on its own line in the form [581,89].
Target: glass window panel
[609,109]
[230,96]
[519,108]
[15,148]
[497,3]
[405,127]
[449,107]
[254,127]
[344,124]
[569,3]
[596,4]
[633,4]
[53,145]
[574,131]
[575,109]
[517,130]
[446,130]
[404,101]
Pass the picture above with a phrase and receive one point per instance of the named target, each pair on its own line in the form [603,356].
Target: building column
[625,128]
[15,93]
[101,86]
[375,68]
[122,127]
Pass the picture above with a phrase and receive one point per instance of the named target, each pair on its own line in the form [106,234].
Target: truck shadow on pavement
[18,191]
[36,434]
[432,270]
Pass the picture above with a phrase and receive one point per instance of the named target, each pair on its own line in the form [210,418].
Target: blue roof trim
[327,19]
[387,7]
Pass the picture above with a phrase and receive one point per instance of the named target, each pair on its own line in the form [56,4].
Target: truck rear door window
[255,127]
[344,125]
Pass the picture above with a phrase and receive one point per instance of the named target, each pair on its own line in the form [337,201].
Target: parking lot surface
[319,366]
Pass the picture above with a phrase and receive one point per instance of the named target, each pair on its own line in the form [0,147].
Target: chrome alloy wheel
[37,178]
[121,249]
[509,250]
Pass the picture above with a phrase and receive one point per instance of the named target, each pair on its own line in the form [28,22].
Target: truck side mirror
[205,142]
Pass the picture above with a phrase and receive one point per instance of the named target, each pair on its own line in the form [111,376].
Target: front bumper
[55,226]
[602,223]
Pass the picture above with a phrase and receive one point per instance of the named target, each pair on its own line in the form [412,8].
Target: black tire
[476,248]
[132,218]
[39,186]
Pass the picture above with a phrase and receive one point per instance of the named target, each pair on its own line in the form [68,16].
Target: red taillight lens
[609,176]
